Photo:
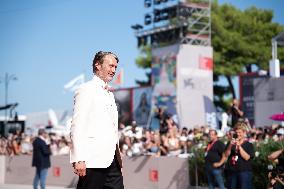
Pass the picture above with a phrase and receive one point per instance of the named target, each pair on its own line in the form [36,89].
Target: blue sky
[46,43]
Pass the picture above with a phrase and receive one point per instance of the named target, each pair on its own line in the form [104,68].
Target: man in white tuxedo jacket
[94,153]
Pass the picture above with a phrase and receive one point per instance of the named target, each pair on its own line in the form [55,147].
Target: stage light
[157,15]
[137,27]
[164,14]
[168,31]
[147,3]
[142,40]
[157,2]
[147,19]
[172,12]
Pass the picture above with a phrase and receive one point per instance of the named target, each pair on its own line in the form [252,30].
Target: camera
[235,136]
[277,172]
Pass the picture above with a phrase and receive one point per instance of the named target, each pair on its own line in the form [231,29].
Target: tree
[144,61]
[240,39]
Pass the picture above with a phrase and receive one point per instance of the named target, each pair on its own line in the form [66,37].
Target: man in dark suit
[41,158]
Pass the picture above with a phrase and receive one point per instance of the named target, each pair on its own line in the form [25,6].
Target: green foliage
[221,102]
[237,36]
[145,58]
[196,167]
[144,61]
[240,39]
[259,164]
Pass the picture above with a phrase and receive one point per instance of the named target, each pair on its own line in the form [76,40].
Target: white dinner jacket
[94,128]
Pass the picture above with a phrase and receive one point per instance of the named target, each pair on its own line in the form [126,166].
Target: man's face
[236,102]
[45,135]
[212,135]
[107,69]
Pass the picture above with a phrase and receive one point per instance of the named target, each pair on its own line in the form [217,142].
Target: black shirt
[235,116]
[280,165]
[241,164]
[214,154]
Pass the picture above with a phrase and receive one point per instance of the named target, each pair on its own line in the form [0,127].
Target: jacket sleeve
[45,150]
[78,131]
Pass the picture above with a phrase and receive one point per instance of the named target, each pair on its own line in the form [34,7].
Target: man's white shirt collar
[99,81]
[44,139]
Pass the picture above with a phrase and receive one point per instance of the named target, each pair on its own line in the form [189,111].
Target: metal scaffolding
[186,22]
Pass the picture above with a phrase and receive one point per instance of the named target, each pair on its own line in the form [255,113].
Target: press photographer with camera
[235,112]
[239,153]
[276,175]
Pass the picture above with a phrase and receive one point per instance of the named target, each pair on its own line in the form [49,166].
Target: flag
[205,63]
[119,78]
[75,83]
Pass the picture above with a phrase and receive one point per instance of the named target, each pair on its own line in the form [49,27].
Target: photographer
[240,153]
[235,112]
[276,176]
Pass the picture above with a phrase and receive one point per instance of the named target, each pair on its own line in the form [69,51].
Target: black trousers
[102,178]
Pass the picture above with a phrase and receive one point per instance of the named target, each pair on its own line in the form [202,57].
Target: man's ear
[97,65]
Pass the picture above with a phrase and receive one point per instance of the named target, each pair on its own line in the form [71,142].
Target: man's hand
[217,164]
[122,173]
[79,168]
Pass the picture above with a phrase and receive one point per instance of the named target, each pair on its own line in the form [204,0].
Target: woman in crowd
[127,146]
[173,143]
[154,145]
[3,146]
[240,153]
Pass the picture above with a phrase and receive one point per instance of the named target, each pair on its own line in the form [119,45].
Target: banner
[123,102]
[268,99]
[195,86]
[75,83]
[142,105]
[119,78]
[164,64]
[247,94]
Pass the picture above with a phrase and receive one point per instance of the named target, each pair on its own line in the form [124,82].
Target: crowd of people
[231,156]
[169,140]
[20,143]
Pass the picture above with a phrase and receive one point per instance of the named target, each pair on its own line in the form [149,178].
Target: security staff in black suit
[41,158]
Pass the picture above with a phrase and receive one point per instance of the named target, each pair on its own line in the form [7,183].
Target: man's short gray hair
[41,131]
[99,57]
